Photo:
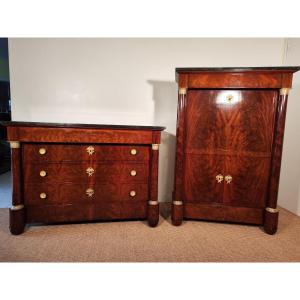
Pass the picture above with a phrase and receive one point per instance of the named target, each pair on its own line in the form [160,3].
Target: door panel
[230,121]
[249,183]
[200,184]
[204,122]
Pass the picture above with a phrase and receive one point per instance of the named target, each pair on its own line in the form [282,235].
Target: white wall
[132,81]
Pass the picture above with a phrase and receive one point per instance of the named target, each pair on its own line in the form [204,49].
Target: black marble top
[238,69]
[85,126]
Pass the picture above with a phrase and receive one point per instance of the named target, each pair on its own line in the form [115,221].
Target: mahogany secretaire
[230,127]
[75,172]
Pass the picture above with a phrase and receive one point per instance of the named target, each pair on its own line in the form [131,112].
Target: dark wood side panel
[223,213]
[77,135]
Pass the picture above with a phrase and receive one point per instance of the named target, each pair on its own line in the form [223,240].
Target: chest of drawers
[230,129]
[71,173]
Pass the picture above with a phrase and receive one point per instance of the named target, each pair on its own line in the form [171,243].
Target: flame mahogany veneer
[79,172]
[230,126]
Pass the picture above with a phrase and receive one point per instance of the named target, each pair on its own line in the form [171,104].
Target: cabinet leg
[271,221]
[153,213]
[177,213]
[16,220]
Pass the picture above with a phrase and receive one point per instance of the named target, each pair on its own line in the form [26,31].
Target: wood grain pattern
[77,135]
[69,193]
[249,181]
[240,77]
[67,153]
[235,80]
[223,213]
[76,172]
[200,184]
[244,123]
[66,180]
[86,212]
[231,123]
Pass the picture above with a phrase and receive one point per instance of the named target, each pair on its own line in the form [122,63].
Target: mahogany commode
[78,172]
[230,126]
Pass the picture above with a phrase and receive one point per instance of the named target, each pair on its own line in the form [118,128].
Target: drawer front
[68,193]
[86,212]
[65,153]
[86,173]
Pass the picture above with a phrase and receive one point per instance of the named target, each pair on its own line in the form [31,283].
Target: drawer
[86,172]
[69,193]
[65,153]
[86,212]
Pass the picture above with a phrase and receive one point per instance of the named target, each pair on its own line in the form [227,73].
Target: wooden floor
[134,241]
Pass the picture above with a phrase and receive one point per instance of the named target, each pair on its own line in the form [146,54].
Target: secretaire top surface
[83,126]
[238,69]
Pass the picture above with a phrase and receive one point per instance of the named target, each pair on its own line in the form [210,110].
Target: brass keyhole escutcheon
[219,178]
[229,98]
[43,195]
[90,150]
[133,172]
[43,173]
[89,192]
[228,179]
[132,193]
[133,152]
[90,171]
[42,151]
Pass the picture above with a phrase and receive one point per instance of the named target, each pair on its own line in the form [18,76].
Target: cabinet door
[226,121]
[249,117]
[201,184]
[246,181]
[229,132]
[205,124]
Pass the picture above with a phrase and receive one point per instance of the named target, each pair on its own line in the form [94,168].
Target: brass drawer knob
[133,151]
[42,151]
[43,173]
[133,172]
[132,193]
[228,179]
[90,150]
[89,192]
[43,195]
[229,98]
[219,178]
[90,171]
